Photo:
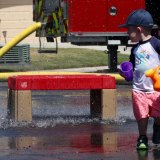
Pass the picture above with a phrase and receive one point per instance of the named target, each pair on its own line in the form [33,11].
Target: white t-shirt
[145,55]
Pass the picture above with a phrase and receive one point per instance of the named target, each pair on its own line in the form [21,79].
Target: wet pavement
[63,130]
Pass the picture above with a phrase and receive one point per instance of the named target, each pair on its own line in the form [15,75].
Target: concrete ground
[83,70]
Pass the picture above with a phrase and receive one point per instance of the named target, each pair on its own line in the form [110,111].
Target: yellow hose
[19,38]
[4,76]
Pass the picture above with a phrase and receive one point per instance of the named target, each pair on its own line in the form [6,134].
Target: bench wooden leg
[95,103]
[20,105]
[109,103]
[103,103]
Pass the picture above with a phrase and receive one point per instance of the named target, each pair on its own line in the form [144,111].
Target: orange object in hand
[154,74]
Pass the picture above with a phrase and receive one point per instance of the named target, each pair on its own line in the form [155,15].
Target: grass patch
[66,58]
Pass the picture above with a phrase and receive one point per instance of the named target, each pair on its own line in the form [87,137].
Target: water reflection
[92,139]
[68,140]
[20,142]
[149,154]
[85,141]
[142,155]
[156,154]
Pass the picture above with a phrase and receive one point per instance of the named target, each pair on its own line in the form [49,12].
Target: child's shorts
[146,104]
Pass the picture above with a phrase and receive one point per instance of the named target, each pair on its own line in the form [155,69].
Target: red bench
[102,92]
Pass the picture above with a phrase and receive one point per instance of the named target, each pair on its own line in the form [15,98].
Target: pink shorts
[146,104]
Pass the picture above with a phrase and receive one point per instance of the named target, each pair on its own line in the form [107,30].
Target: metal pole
[112,57]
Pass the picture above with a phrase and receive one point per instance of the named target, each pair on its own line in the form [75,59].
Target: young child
[144,55]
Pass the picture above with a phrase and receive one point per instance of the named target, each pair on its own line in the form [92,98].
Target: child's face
[134,33]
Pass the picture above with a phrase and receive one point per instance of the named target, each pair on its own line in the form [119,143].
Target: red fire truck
[91,22]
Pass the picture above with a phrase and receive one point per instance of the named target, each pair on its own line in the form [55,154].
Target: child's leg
[142,142]
[142,126]
[156,131]
[141,111]
[157,121]
[155,112]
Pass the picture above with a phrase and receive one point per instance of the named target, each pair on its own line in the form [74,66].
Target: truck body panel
[100,15]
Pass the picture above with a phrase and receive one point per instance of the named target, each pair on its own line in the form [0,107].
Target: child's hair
[147,29]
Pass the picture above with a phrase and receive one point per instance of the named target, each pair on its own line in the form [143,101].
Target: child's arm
[155,44]
[132,58]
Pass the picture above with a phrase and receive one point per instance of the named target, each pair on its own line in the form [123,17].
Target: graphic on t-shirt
[142,60]
[142,57]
